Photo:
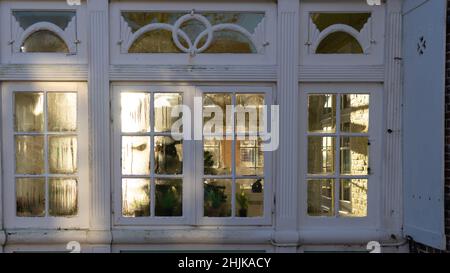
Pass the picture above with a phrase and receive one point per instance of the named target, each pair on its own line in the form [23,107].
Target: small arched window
[339,43]
[44,41]
[155,41]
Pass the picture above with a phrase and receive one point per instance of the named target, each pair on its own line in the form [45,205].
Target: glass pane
[250,115]
[353,198]
[63,197]
[44,41]
[136,197]
[30,197]
[30,155]
[215,113]
[339,43]
[168,156]
[62,112]
[355,113]
[217,156]
[62,154]
[217,197]
[355,155]
[59,18]
[249,158]
[355,20]
[321,153]
[135,112]
[164,102]
[227,41]
[168,194]
[321,197]
[249,198]
[135,155]
[29,112]
[156,41]
[322,113]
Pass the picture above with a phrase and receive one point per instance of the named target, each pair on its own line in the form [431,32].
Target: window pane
[169,197]
[249,158]
[217,156]
[249,198]
[168,156]
[156,41]
[29,112]
[135,112]
[321,197]
[227,41]
[355,20]
[217,197]
[135,155]
[63,197]
[214,113]
[136,197]
[354,155]
[62,112]
[355,113]
[62,154]
[250,115]
[30,197]
[353,198]
[321,153]
[163,111]
[339,43]
[59,18]
[44,41]
[322,113]
[30,155]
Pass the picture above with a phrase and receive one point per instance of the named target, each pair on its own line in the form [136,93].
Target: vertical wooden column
[99,107]
[286,234]
[392,160]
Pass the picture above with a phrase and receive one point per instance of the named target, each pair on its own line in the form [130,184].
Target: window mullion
[337,182]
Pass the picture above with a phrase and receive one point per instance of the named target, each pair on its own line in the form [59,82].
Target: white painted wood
[99,109]
[341,73]
[288,98]
[11,220]
[43,72]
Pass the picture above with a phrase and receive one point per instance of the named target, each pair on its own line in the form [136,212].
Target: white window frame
[192,170]
[372,220]
[376,54]
[9,194]
[9,56]
[268,57]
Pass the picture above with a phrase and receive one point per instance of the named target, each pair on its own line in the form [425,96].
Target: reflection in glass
[217,197]
[322,113]
[355,113]
[355,20]
[250,115]
[353,198]
[354,155]
[215,113]
[321,197]
[339,43]
[249,198]
[26,18]
[155,41]
[62,154]
[164,102]
[29,112]
[44,41]
[168,156]
[30,197]
[135,155]
[29,154]
[63,197]
[228,41]
[217,156]
[135,112]
[62,112]
[249,158]
[136,197]
[168,194]
[321,153]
